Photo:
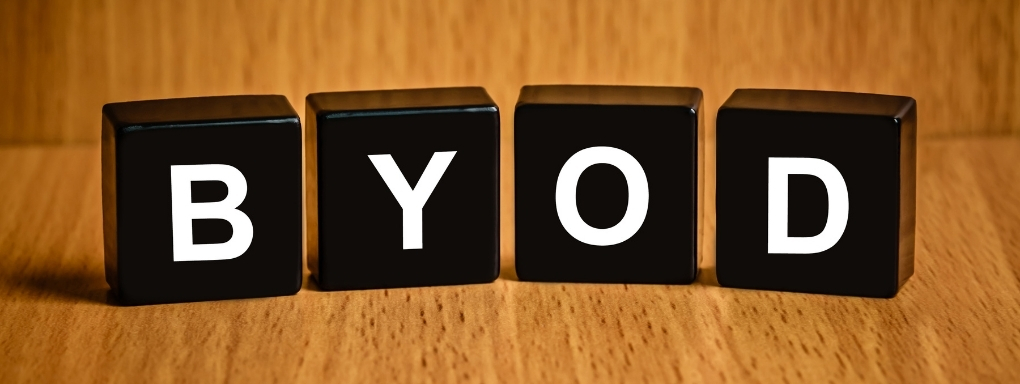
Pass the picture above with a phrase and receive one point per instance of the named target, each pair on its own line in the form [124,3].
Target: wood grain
[956,320]
[61,60]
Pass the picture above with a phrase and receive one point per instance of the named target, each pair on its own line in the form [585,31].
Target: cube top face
[639,96]
[843,103]
[868,140]
[198,110]
[150,258]
[556,124]
[399,101]
[359,234]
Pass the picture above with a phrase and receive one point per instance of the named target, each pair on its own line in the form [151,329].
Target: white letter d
[839,205]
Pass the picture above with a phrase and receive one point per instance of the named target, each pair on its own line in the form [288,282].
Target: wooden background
[62,60]
[956,320]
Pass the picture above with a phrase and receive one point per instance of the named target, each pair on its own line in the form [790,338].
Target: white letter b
[183,211]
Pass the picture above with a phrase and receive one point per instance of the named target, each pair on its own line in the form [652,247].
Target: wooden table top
[956,320]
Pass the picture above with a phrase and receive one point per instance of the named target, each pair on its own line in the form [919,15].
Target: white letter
[839,205]
[412,200]
[183,211]
[637,196]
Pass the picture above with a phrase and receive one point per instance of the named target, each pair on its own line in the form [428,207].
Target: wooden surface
[956,320]
[61,60]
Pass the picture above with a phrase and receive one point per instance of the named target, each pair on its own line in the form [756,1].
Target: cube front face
[151,265]
[754,146]
[366,237]
[603,244]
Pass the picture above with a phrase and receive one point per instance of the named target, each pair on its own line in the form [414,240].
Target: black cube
[815,191]
[202,198]
[403,188]
[608,183]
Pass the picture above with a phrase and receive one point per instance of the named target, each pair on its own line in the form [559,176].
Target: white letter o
[637,196]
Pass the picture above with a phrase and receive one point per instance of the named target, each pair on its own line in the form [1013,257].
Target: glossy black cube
[868,142]
[171,168]
[581,153]
[358,236]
